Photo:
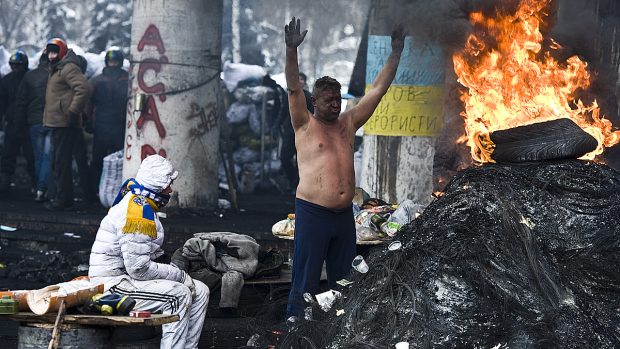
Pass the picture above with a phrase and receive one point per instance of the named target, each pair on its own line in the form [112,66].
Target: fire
[511,81]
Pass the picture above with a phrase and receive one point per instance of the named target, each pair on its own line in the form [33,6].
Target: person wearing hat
[128,242]
[29,107]
[16,132]
[65,99]
[107,109]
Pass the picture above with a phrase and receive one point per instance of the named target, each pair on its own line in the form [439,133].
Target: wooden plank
[285,278]
[94,320]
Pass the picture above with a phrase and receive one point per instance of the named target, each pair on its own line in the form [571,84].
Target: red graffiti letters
[127,146]
[150,113]
[151,37]
[154,65]
[149,150]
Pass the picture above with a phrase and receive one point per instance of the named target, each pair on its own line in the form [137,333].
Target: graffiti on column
[150,112]
[207,120]
[149,150]
[154,65]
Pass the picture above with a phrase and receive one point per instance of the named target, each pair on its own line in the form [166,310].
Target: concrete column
[236,32]
[175,64]
[399,139]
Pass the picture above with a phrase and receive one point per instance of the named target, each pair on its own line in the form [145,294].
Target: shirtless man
[324,225]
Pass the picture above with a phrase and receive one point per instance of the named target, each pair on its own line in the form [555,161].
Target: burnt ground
[51,247]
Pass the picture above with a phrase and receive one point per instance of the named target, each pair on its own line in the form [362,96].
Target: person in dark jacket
[65,99]
[29,108]
[108,108]
[284,127]
[80,154]
[16,133]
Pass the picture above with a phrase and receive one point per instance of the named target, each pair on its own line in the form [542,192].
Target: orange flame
[512,83]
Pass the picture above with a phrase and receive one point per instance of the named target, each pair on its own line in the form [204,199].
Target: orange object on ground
[74,293]
[18,295]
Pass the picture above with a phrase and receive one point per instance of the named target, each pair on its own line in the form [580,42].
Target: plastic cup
[326,300]
[402,345]
[395,245]
[359,264]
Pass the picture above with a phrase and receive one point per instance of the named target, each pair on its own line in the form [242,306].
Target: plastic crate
[8,305]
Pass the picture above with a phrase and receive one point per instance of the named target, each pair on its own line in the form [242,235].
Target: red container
[140,313]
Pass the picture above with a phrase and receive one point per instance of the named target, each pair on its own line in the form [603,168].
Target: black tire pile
[512,256]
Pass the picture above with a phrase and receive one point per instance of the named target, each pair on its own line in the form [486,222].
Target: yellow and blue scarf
[141,208]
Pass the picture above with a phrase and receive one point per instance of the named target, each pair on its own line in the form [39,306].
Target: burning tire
[555,139]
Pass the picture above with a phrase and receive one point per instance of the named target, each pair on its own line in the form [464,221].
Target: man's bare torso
[325,160]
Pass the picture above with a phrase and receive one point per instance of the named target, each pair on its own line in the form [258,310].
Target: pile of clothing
[223,260]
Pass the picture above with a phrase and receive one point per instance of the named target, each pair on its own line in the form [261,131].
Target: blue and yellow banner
[413,105]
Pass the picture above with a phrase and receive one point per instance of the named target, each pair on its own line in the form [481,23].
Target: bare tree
[11,18]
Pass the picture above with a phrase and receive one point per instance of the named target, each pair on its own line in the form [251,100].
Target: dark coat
[67,93]
[31,95]
[8,91]
[108,101]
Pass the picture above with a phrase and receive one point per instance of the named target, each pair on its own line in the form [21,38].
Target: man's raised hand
[292,33]
[398,38]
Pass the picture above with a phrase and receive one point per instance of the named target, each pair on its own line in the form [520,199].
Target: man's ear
[313,100]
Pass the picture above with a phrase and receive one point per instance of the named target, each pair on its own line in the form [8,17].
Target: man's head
[114,58]
[56,50]
[156,173]
[326,98]
[18,61]
[303,79]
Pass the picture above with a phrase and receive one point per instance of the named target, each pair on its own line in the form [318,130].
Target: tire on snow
[555,139]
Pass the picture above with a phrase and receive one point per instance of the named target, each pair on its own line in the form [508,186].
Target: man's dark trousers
[63,143]
[16,137]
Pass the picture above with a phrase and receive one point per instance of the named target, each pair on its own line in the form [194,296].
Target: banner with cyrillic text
[413,105]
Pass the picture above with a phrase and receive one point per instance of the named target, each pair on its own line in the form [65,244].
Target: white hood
[156,173]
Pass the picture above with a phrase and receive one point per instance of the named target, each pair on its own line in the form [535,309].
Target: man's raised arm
[296,99]
[367,105]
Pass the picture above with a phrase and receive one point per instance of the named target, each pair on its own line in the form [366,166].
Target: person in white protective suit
[128,241]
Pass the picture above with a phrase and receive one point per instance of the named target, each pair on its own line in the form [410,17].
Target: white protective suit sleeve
[136,249]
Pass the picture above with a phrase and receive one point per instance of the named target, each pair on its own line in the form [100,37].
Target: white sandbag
[235,72]
[111,178]
[240,112]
